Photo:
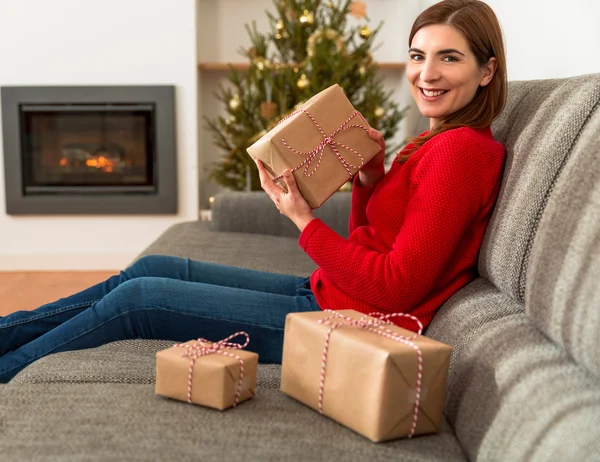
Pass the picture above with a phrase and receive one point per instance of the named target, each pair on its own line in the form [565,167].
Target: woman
[415,232]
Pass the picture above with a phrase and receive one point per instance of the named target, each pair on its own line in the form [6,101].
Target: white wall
[108,42]
[548,38]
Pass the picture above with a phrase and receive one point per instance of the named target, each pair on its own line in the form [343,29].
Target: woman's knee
[153,265]
[131,295]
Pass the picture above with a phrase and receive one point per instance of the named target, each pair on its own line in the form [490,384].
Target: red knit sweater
[415,235]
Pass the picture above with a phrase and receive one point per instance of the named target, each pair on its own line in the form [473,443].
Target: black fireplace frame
[161,200]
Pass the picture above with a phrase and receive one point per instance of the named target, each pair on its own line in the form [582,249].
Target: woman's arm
[364,184]
[444,199]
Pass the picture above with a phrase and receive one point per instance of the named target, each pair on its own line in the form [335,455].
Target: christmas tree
[310,47]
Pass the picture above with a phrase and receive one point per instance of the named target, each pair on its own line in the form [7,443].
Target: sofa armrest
[254,212]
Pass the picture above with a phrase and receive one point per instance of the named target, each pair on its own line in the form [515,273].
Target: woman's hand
[291,204]
[373,170]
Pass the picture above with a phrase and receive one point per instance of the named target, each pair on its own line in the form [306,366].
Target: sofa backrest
[562,280]
[254,212]
[542,246]
[539,127]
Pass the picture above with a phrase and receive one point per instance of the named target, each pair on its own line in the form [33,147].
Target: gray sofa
[524,379]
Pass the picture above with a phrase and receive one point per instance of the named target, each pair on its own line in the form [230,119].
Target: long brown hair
[477,22]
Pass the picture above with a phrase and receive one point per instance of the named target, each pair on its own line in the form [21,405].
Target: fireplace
[89,150]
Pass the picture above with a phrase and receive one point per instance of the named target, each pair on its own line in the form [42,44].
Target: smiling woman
[456,67]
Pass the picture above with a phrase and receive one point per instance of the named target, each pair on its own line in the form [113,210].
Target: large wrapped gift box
[211,380]
[324,142]
[371,381]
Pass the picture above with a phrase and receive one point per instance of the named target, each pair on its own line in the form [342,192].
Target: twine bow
[376,323]
[327,141]
[199,349]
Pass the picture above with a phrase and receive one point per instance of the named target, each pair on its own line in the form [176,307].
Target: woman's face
[443,72]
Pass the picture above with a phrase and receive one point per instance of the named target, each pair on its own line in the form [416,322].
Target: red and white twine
[199,349]
[376,323]
[327,141]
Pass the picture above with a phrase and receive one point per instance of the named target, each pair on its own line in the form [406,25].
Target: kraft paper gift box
[214,377]
[370,381]
[308,146]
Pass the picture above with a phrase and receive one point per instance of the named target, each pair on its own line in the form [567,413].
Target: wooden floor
[28,290]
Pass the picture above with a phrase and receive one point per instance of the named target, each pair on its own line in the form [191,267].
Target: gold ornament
[362,70]
[278,36]
[307,19]
[235,103]
[379,112]
[365,32]
[302,82]
[319,36]
[268,109]
[347,186]
[279,26]
[358,9]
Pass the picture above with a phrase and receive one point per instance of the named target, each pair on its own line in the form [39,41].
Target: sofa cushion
[539,127]
[456,323]
[254,212]
[563,288]
[195,240]
[514,395]
[123,361]
[100,422]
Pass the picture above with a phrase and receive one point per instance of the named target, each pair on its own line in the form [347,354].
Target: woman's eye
[416,57]
[450,59]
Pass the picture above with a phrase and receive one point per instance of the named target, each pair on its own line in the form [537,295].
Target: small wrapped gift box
[378,379]
[324,143]
[218,375]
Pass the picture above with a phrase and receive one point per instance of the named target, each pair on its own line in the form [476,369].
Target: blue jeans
[159,297]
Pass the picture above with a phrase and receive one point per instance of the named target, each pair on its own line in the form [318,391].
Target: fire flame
[100,162]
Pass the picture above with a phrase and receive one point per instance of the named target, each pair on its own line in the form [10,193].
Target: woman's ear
[488,69]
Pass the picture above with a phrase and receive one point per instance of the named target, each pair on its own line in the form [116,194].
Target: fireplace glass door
[88,149]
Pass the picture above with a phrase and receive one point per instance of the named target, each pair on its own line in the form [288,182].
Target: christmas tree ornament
[365,32]
[347,186]
[337,41]
[235,103]
[362,71]
[379,112]
[307,19]
[232,119]
[303,82]
[261,64]
[278,36]
[268,109]
[358,9]
[279,25]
